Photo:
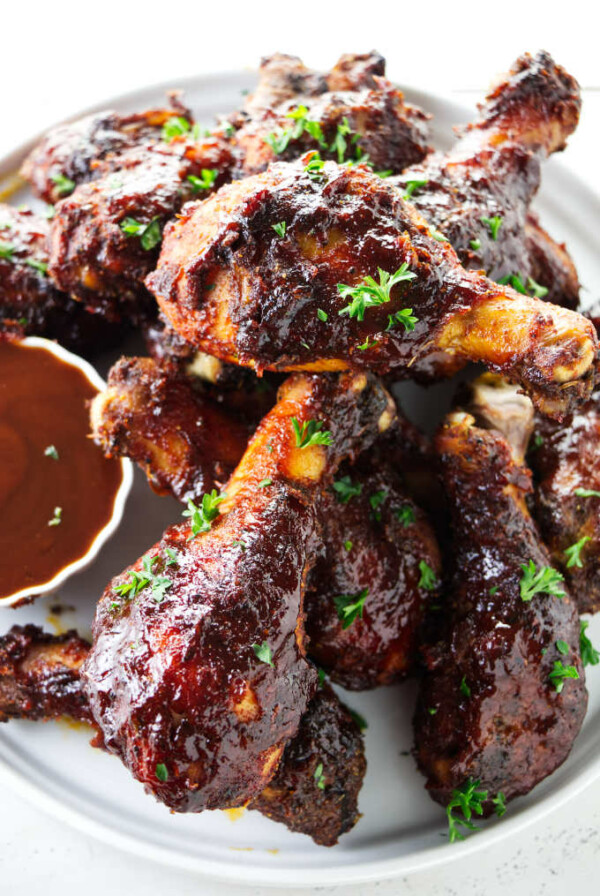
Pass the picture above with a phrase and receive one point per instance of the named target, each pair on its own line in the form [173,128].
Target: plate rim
[256,875]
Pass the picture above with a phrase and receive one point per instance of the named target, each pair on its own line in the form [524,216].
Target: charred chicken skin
[232,285]
[29,303]
[503,696]
[39,679]
[207,675]
[377,546]
[478,194]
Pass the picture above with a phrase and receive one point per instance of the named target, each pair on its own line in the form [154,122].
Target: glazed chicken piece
[565,459]
[377,546]
[504,695]
[39,679]
[29,304]
[69,154]
[168,423]
[105,236]
[200,671]
[230,283]
[492,174]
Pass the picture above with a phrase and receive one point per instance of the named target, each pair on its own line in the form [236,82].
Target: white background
[58,57]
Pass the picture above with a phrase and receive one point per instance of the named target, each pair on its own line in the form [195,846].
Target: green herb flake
[475,245]
[279,229]
[149,234]
[263,653]
[319,776]
[499,804]
[6,251]
[360,720]
[50,451]
[464,687]
[348,546]
[586,493]
[589,654]
[161,772]
[493,224]
[311,433]
[438,236]
[404,317]
[412,186]
[64,185]
[560,673]
[573,554]
[370,293]
[350,607]
[57,518]
[320,677]
[562,647]
[265,482]
[467,801]
[322,315]
[314,168]
[202,517]
[546,580]
[428,579]
[177,126]
[405,515]
[345,489]
[206,180]
[40,266]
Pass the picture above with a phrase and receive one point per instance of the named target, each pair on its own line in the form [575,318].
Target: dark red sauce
[43,403]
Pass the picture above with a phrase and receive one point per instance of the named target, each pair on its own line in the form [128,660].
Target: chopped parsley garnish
[172,557]
[530,288]
[369,293]
[320,677]
[311,433]
[367,344]
[263,653]
[149,234]
[545,580]
[177,126]
[428,579]
[202,517]
[6,251]
[345,489]
[314,168]
[340,144]
[562,647]
[405,515]
[360,720]
[279,229]
[494,225]
[437,235]
[50,451]
[536,289]
[412,186]
[238,544]
[493,590]
[348,546]
[468,801]
[432,710]
[206,180]
[573,554]
[475,245]
[63,184]
[404,317]
[350,607]
[265,482]
[560,673]
[57,518]
[536,442]
[322,315]
[161,772]
[319,776]
[589,654]
[140,579]
[499,803]
[586,493]
[280,140]
[40,266]
[376,500]
[464,687]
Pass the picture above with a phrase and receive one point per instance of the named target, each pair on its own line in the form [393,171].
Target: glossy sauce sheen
[43,402]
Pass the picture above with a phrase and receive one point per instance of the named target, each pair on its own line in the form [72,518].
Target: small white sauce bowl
[31,592]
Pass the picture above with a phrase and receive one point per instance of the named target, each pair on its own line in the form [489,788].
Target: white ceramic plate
[401,829]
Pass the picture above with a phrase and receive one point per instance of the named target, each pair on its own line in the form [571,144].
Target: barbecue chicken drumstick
[39,679]
[204,671]
[272,272]
[504,694]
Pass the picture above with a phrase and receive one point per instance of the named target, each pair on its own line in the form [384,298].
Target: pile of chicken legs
[286,268]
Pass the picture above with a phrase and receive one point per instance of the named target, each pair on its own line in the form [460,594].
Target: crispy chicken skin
[91,257]
[488,710]
[565,458]
[328,740]
[375,540]
[229,284]
[29,304]
[178,682]
[39,679]
[73,150]
[494,170]
[39,675]
[185,442]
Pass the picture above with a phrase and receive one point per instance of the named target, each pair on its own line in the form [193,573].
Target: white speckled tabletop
[67,55]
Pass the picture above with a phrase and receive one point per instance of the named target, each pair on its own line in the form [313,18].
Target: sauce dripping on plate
[50,470]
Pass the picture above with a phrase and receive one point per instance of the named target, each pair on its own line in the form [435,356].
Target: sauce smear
[49,468]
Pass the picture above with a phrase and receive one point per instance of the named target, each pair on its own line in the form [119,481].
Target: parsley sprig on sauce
[468,801]
[350,607]
[202,517]
[545,580]
[310,433]
[149,234]
[369,293]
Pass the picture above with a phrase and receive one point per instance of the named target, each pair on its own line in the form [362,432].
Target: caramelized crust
[328,741]
[487,709]
[185,442]
[565,458]
[494,170]
[229,284]
[39,675]
[29,303]
[74,150]
[178,682]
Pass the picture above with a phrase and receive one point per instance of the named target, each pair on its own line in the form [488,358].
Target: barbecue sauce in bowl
[57,490]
